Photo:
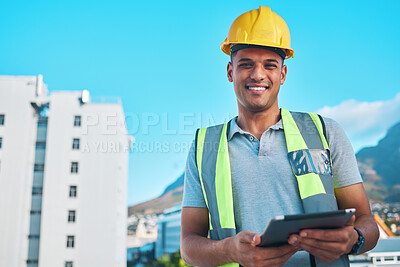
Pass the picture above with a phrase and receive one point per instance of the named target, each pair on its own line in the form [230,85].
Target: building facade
[63,177]
[169,232]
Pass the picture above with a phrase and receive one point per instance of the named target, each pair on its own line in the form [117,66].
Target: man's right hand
[244,250]
[198,250]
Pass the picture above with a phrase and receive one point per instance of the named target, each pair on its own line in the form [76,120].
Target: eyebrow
[244,59]
[273,60]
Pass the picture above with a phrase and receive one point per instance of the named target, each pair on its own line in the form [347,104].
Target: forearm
[200,251]
[366,224]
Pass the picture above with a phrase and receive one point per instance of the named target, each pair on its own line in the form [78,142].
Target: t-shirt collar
[234,128]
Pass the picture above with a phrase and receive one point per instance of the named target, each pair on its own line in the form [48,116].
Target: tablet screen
[280,228]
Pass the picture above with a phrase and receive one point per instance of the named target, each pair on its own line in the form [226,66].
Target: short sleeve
[192,192]
[345,170]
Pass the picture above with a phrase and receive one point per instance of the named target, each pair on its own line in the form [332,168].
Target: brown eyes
[249,65]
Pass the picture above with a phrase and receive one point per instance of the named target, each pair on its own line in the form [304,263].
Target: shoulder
[334,131]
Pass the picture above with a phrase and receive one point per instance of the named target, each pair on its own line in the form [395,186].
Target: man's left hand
[326,244]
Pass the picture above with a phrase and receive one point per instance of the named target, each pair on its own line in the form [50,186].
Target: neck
[257,123]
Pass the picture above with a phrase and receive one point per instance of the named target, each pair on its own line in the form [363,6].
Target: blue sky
[162,58]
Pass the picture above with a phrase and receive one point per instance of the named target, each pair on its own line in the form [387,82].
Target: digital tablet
[280,228]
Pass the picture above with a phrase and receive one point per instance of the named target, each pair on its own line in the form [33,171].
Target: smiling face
[257,75]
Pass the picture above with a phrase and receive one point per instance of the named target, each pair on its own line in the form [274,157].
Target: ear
[229,70]
[283,74]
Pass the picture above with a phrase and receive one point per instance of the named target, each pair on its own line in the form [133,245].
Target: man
[239,175]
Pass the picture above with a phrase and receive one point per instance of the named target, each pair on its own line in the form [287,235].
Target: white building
[63,177]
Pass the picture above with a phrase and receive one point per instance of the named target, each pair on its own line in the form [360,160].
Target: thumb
[256,240]
[351,221]
[249,237]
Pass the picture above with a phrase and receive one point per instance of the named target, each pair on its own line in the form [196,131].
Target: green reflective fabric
[294,140]
[310,184]
[201,135]
[223,184]
[231,265]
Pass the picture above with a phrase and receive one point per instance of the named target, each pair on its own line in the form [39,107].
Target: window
[72,191]
[74,167]
[36,212]
[77,121]
[1,119]
[70,241]
[36,190]
[42,122]
[1,142]
[71,216]
[38,167]
[69,264]
[75,143]
[40,145]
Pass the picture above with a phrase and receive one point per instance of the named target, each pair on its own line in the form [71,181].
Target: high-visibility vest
[309,157]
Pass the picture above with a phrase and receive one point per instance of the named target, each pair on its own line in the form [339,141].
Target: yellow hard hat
[261,27]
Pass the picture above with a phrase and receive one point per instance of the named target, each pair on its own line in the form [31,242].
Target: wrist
[354,239]
[358,244]
[228,246]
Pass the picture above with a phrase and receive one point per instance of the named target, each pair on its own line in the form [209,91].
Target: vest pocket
[310,160]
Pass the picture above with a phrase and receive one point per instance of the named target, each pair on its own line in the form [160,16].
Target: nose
[258,73]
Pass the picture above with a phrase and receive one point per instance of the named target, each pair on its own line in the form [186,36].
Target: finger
[325,255]
[246,237]
[334,235]
[335,247]
[256,240]
[351,221]
[279,260]
[276,252]
[293,239]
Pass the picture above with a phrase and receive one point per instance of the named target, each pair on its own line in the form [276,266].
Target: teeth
[257,88]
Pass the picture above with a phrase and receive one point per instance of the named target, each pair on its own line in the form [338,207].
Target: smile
[256,88]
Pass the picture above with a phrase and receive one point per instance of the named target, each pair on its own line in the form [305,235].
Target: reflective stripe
[301,160]
[223,183]
[223,232]
[211,144]
[310,184]
[201,134]
[212,150]
[308,130]
[294,141]
[318,123]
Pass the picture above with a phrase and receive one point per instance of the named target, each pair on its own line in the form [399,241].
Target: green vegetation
[168,260]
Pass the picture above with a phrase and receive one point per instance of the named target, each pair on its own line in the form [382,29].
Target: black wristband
[359,244]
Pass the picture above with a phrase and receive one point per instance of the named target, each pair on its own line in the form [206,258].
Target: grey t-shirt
[263,182]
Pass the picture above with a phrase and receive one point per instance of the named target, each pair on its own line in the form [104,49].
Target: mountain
[379,167]
[178,183]
[171,196]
